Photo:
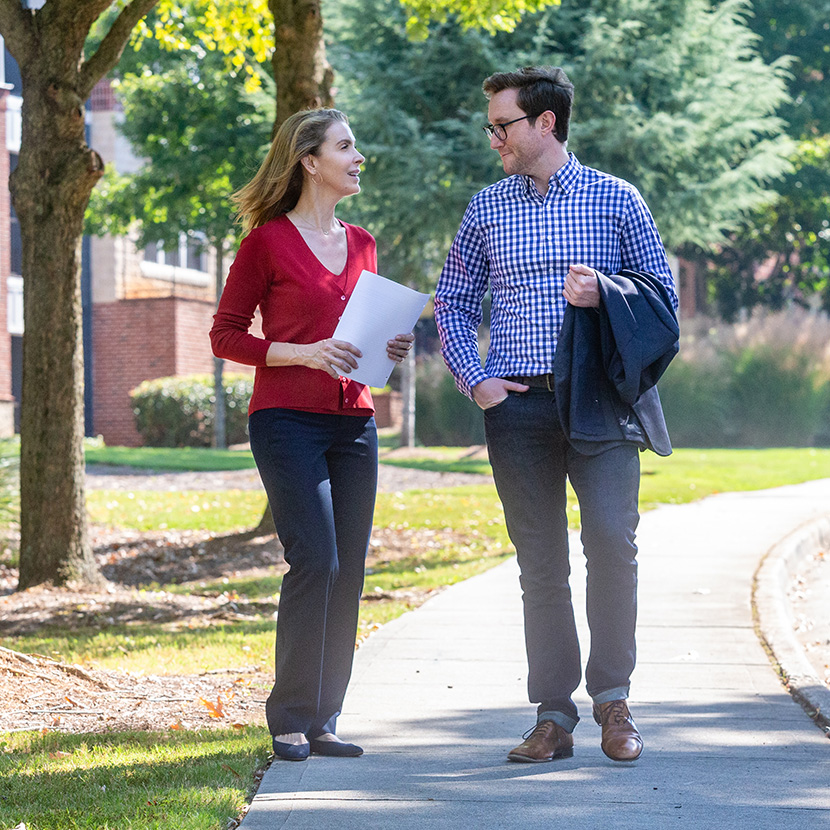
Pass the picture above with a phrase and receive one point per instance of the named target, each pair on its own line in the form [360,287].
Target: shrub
[757,396]
[443,416]
[179,411]
[696,404]
[775,398]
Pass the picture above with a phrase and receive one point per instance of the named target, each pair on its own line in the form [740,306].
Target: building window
[12,73]
[196,258]
[14,305]
[185,264]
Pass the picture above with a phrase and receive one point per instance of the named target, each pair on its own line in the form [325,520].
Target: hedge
[179,411]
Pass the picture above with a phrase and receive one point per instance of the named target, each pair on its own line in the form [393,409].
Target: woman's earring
[315,179]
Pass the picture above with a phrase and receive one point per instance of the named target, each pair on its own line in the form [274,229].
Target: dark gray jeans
[531,461]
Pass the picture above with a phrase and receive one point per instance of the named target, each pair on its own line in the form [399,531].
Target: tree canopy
[781,253]
[415,107]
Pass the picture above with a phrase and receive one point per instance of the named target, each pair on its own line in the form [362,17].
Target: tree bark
[50,189]
[301,71]
[266,526]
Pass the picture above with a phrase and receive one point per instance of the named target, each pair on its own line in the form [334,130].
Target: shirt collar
[568,175]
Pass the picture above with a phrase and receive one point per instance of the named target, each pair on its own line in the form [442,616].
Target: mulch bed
[39,693]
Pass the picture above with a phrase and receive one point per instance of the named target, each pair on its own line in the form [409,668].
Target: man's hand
[398,348]
[581,288]
[493,391]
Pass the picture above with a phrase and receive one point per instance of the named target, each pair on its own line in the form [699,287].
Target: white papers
[377,310]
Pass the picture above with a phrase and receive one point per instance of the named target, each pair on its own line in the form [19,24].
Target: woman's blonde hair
[277,185]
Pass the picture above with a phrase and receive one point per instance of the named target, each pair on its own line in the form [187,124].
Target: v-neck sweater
[300,301]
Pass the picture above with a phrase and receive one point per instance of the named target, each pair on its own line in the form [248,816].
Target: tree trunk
[301,71]
[266,526]
[51,188]
[407,437]
[220,437]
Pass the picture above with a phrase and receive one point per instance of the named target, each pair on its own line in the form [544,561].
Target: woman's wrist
[287,354]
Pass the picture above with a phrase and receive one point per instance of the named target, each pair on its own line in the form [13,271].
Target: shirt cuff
[468,378]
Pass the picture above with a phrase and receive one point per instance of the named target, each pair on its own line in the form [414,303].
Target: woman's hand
[398,348]
[335,357]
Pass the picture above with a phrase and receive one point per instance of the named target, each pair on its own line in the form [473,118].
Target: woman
[312,429]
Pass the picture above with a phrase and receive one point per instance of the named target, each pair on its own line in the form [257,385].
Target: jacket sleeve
[638,331]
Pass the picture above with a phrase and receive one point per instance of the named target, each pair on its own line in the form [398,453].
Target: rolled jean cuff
[559,718]
[617,693]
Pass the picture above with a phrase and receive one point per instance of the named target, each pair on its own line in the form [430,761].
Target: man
[543,239]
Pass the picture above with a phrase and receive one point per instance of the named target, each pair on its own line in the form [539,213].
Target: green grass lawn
[183,780]
[221,511]
[201,779]
[186,459]
[469,521]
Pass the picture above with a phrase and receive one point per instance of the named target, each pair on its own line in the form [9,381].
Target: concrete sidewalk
[438,698]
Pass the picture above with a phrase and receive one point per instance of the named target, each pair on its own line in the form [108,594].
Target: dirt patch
[37,692]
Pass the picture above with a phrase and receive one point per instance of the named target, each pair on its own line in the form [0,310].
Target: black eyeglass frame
[499,131]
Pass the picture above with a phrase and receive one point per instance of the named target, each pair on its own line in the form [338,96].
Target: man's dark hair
[540,88]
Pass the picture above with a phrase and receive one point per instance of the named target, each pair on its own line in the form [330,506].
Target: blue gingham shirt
[521,244]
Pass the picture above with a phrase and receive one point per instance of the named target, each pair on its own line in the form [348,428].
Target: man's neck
[548,166]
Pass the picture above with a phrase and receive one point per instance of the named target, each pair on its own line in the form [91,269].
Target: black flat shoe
[291,752]
[335,749]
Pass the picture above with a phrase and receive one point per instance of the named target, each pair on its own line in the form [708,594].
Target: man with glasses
[542,238]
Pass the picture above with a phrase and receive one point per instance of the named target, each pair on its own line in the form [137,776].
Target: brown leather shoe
[620,739]
[546,741]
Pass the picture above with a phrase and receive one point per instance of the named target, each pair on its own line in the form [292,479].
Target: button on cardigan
[301,302]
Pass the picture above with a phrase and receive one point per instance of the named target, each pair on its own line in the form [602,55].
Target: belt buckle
[548,381]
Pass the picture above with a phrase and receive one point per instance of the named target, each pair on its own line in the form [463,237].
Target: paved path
[438,698]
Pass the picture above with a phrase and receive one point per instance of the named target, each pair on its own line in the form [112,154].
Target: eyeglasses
[499,131]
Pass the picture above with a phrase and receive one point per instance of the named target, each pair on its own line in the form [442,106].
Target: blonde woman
[312,429]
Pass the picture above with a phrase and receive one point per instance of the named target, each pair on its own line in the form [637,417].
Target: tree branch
[109,52]
[16,28]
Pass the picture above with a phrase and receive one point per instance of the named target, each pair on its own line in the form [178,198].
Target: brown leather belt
[542,381]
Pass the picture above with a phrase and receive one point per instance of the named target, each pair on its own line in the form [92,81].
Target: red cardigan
[301,302]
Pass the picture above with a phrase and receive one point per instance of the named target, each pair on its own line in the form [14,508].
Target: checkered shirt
[521,244]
